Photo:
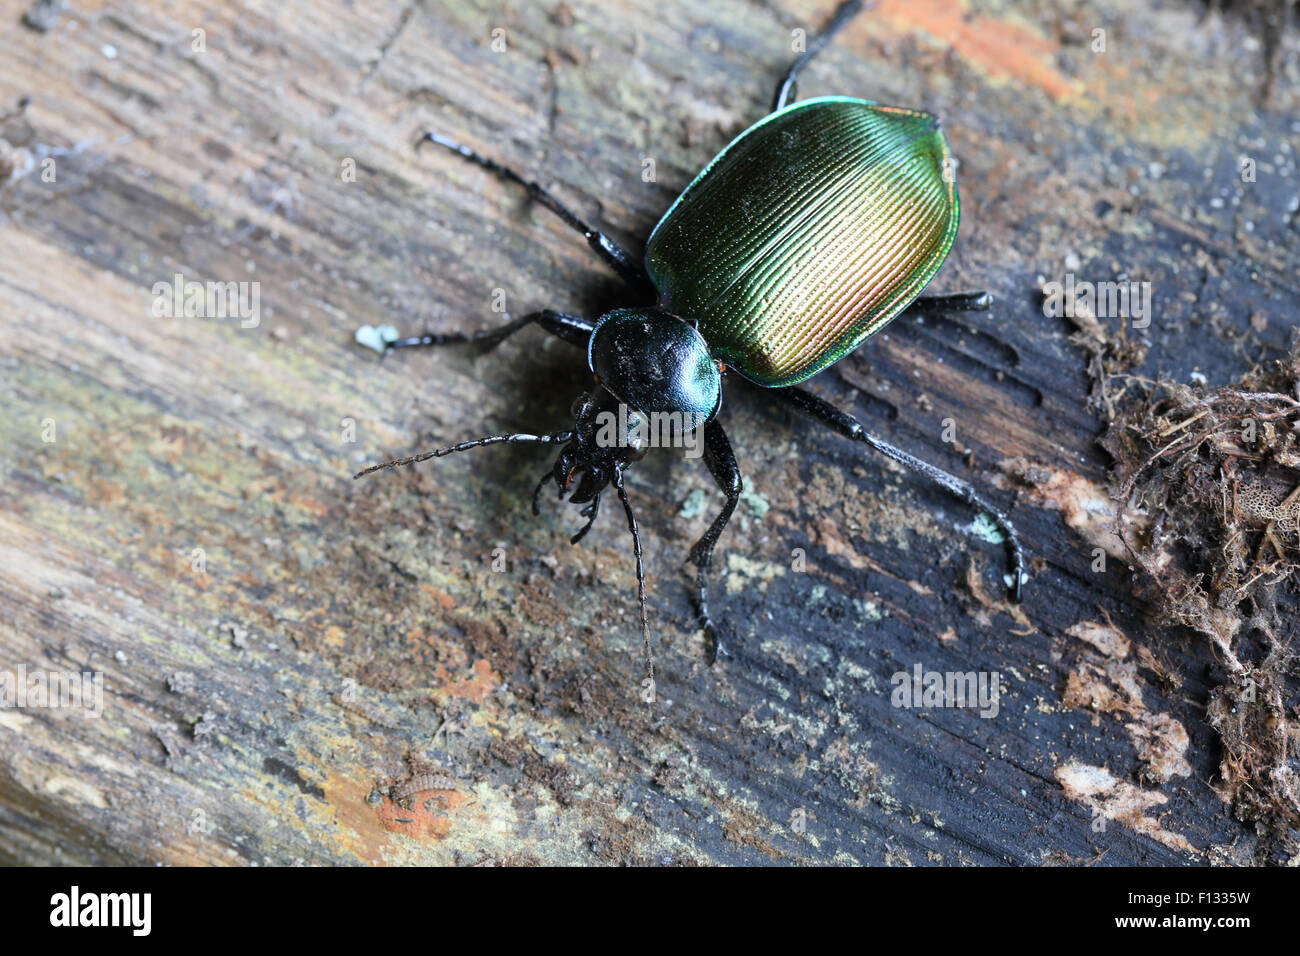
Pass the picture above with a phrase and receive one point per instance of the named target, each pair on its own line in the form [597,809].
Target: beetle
[805,236]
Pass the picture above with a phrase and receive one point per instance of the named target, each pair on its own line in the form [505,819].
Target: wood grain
[300,668]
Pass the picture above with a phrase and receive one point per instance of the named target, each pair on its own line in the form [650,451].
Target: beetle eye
[578,403]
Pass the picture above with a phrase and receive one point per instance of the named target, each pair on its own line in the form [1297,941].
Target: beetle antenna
[843,14]
[640,581]
[558,437]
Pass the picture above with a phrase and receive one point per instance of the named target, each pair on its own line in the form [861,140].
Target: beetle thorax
[656,362]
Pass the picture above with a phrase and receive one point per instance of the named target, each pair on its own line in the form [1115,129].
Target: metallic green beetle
[806,235]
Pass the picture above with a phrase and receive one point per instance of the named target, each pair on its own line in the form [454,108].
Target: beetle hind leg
[721,462]
[979,301]
[848,426]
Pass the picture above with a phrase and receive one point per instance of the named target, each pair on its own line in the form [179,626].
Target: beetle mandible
[805,236]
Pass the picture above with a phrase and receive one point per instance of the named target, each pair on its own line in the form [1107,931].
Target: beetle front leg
[571,328]
[721,462]
[848,426]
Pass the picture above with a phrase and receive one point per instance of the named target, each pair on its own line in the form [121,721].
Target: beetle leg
[843,14]
[721,462]
[848,426]
[537,492]
[571,328]
[590,512]
[954,302]
[601,244]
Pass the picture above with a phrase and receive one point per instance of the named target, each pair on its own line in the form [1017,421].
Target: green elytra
[807,234]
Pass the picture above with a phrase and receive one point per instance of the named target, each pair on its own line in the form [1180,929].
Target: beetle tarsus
[713,646]
[572,328]
[721,462]
[980,301]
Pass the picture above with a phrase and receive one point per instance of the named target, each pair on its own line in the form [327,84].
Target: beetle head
[597,446]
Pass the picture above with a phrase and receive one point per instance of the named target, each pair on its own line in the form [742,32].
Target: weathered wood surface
[341,638]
